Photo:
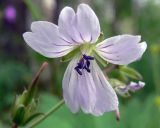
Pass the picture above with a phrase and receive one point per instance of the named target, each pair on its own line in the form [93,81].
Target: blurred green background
[19,63]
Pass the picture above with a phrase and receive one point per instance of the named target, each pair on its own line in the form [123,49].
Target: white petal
[122,49]
[70,87]
[87,23]
[106,97]
[67,26]
[44,39]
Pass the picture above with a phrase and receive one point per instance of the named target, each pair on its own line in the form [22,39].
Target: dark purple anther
[77,69]
[87,63]
[88,57]
[81,64]
[87,69]
[84,63]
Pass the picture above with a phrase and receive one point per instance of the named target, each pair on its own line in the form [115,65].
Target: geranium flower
[84,85]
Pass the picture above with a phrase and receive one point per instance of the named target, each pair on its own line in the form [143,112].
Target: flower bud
[22,114]
[136,86]
[25,105]
[123,90]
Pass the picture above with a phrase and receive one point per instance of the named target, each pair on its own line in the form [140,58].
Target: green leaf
[130,72]
[70,55]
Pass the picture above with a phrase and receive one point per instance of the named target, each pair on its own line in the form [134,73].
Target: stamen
[88,57]
[87,63]
[87,69]
[77,69]
[83,63]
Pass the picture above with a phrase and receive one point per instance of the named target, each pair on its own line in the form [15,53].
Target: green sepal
[22,113]
[70,55]
[33,105]
[125,95]
[18,116]
[30,95]
[21,98]
[101,38]
[123,77]
[100,59]
[130,72]
[116,82]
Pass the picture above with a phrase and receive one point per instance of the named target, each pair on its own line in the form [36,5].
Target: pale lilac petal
[87,92]
[87,23]
[44,39]
[106,97]
[70,87]
[67,26]
[133,86]
[78,91]
[90,91]
[122,49]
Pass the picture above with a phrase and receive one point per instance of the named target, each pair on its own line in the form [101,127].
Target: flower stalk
[25,105]
[51,111]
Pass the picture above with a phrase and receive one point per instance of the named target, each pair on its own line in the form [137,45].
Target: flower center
[84,63]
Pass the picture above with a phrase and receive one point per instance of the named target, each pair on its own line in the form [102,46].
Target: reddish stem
[43,66]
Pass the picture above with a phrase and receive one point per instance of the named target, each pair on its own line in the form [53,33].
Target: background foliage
[18,62]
